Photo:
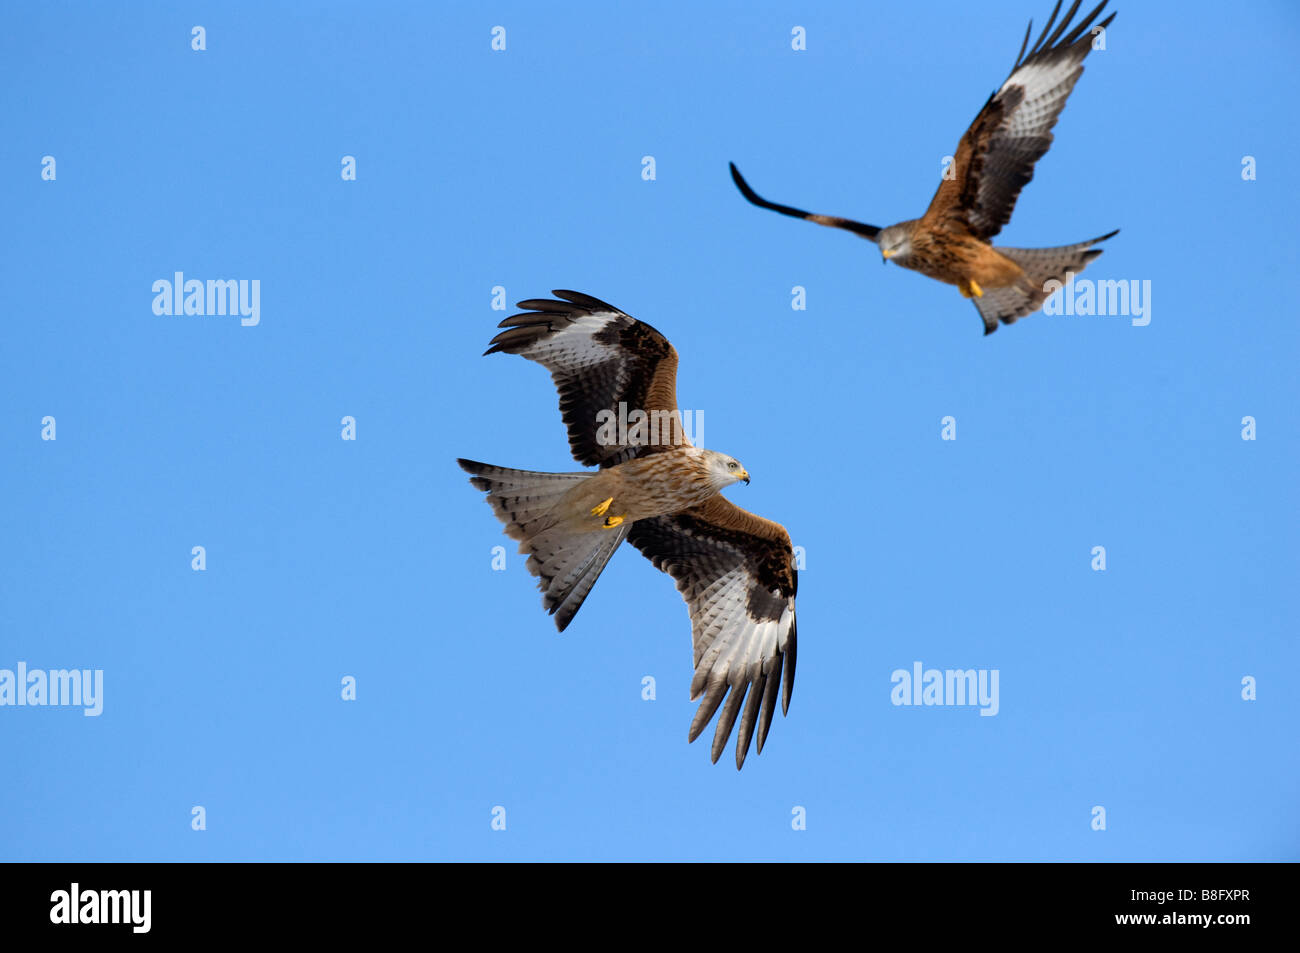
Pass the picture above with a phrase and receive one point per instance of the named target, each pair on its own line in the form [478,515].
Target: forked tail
[564,551]
[1041,265]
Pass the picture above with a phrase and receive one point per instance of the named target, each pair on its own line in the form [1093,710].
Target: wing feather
[756,694]
[996,156]
[769,697]
[599,359]
[737,575]
[726,720]
[709,704]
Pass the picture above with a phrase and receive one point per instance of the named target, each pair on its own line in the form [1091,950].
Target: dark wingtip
[1023,46]
[869,232]
[584,301]
[787,676]
[741,184]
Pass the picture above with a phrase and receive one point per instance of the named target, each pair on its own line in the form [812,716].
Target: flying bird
[655,489]
[994,161]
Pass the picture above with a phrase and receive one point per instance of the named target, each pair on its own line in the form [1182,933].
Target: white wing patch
[1046,87]
[575,348]
[734,654]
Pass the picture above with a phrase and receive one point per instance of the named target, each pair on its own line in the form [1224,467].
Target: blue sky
[522,169]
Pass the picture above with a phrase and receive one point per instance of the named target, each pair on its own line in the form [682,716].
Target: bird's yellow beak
[887,253]
[744,475]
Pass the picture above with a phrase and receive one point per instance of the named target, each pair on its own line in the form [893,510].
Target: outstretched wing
[868,232]
[995,158]
[601,358]
[736,572]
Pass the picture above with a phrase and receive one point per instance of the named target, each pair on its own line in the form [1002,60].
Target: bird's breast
[663,483]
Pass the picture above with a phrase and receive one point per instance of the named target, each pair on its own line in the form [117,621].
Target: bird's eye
[731,465]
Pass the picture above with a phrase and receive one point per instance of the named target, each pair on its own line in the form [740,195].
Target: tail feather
[1040,265]
[568,565]
[522,499]
[567,557]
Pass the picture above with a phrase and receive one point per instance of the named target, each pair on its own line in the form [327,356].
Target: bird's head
[724,470]
[895,243]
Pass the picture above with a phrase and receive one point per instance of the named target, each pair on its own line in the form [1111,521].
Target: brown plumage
[994,160]
[734,569]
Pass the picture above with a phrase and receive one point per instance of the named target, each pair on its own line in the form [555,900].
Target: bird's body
[952,241]
[956,257]
[734,569]
[641,488]
[654,485]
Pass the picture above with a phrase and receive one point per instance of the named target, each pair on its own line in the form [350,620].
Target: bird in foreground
[655,489]
[994,161]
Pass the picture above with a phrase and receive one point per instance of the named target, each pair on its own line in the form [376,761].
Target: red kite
[734,569]
[994,161]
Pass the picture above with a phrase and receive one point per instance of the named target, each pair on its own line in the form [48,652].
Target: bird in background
[653,488]
[951,242]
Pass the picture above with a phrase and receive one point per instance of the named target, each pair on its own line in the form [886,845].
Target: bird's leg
[612,521]
[599,509]
[970,289]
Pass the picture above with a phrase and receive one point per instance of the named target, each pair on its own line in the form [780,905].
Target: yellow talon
[964,292]
[612,521]
[601,508]
[976,290]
